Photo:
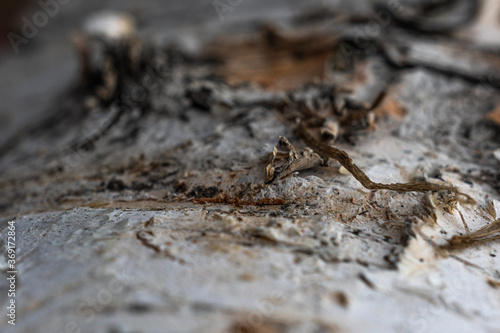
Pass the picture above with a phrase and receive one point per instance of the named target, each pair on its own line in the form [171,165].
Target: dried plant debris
[326,117]
[339,117]
[283,164]
[487,233]
[343,158]
[493,208]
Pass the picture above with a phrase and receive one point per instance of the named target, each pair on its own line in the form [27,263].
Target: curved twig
[343,158]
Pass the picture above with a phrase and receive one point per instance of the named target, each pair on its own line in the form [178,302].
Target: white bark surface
[123,237]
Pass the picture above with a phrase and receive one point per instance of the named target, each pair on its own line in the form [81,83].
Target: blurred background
[36,68]
[38,58]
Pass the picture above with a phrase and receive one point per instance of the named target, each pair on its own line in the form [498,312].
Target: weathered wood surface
[142,206]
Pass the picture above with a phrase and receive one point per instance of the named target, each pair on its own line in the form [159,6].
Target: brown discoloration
[274,60]
[493,283]
[390,107]
[248,328]
[145,236]
[366,281]
[247,277]
[154,238]
[494,115]
[340,298]
[245,324]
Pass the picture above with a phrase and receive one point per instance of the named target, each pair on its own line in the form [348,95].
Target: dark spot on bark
[141,186]
[357,232]
[340,298]
[116,185]
[204,192]
[139,308]
[200,97]
[180,187]
[366,281]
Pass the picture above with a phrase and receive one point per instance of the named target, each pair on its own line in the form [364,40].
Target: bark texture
[149,196]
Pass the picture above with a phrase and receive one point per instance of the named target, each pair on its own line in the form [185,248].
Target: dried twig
[343,158]
[485,234]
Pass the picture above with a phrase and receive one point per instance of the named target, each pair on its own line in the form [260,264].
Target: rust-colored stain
[390,107]
[494,115]
[273,60]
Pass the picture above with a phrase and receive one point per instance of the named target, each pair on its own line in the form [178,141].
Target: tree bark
[154,194]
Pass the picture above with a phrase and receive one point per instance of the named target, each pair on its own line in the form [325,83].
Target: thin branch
[343,158]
